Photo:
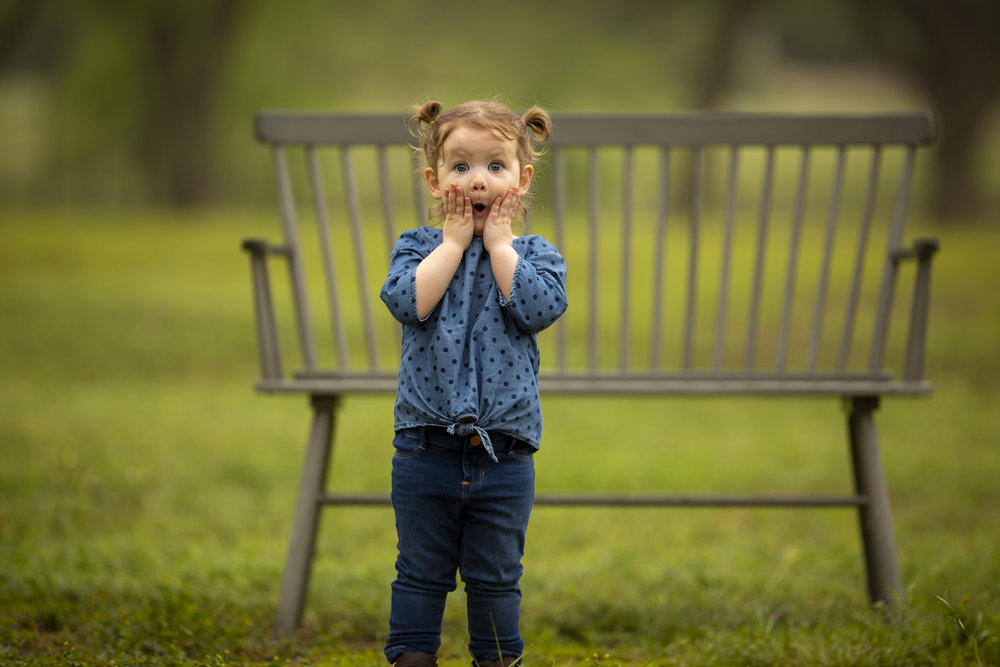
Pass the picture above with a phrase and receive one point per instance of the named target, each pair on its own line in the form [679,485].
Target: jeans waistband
[438,435]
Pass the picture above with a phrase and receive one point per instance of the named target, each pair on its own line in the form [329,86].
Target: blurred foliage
[151,102]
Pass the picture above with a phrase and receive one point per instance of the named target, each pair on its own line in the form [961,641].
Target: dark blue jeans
[457,510]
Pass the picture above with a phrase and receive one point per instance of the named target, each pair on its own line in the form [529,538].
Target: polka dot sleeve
[399,291]
[538,294]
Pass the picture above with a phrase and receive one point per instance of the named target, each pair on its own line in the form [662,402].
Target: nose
[477,180]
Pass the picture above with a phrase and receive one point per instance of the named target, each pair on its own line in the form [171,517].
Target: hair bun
[424,114]
[539,121]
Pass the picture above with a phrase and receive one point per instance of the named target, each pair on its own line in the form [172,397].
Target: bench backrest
[707,252]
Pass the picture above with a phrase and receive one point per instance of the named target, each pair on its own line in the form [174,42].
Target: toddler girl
[471,297]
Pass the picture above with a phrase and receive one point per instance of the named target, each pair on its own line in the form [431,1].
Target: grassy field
[146,492]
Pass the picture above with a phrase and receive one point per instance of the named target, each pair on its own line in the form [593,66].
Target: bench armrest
[268,345]
[263,247]
[922,251]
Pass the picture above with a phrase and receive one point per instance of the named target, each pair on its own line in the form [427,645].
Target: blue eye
[496,166]
[461,167]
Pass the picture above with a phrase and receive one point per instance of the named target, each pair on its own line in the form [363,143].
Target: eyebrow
[460,154]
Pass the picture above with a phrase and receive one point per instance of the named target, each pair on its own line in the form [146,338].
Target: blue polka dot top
[471,365]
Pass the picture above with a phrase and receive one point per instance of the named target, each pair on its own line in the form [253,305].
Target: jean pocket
[407,445]
[521,451]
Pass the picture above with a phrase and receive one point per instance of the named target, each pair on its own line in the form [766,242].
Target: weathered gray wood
[584,361]
[296,271]
[629,500]
[722,309]
[329,262]
[895,238]
[819,306]
[885,583]
[593,216]
[847,336]
[727,128]
[690,310]
[357,236]
[295,582]
[575,129]
[793,259]
[916,340]
[659,251]
[559,202]
[268,343]
[624,331]
[763,220]
[679,384]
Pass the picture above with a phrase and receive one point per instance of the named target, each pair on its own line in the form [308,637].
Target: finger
[509,204]
[449,201]
[515,199]
[456,202]
[495,211]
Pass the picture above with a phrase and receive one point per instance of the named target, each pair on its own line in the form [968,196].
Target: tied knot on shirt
[465,427]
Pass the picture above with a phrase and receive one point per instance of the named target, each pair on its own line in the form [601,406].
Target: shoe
[503,662]
[414,659]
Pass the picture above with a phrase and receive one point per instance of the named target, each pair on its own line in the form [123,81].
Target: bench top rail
[707,252]
[584,129]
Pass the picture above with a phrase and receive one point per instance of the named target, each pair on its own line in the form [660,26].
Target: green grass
[146,493]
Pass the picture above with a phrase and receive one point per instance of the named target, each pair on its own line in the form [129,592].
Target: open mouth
[479,208]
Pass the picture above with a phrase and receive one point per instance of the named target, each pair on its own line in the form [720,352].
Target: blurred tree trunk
[950,48]
[712,73]
[16,20]
[184,44]
[156,79]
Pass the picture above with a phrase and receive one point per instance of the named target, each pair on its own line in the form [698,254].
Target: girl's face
[483,164]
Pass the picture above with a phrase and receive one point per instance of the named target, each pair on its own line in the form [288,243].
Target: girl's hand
[458,225]
[497,232]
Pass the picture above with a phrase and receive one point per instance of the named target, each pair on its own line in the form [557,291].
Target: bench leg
[295,582]
[884,582]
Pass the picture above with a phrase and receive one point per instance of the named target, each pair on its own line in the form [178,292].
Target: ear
[527,171]
[430,175]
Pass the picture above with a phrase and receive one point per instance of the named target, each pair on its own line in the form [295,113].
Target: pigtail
[424,114]
[539,121]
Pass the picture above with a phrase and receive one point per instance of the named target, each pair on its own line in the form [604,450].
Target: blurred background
[149,103]
[146,492]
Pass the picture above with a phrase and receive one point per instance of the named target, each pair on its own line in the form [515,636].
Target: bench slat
[722,309]
[559,213]
[628,385]
[819,307]
[374,499]
[690,311]
[329,260]
[624,334]
[895,241]
[793,259]
[659,251]
[593,189]
[864,233]
[289,219]
[763,219]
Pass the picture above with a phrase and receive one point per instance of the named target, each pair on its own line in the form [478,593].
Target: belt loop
[422,435]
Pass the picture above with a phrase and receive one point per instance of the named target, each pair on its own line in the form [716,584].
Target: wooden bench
[709,254]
